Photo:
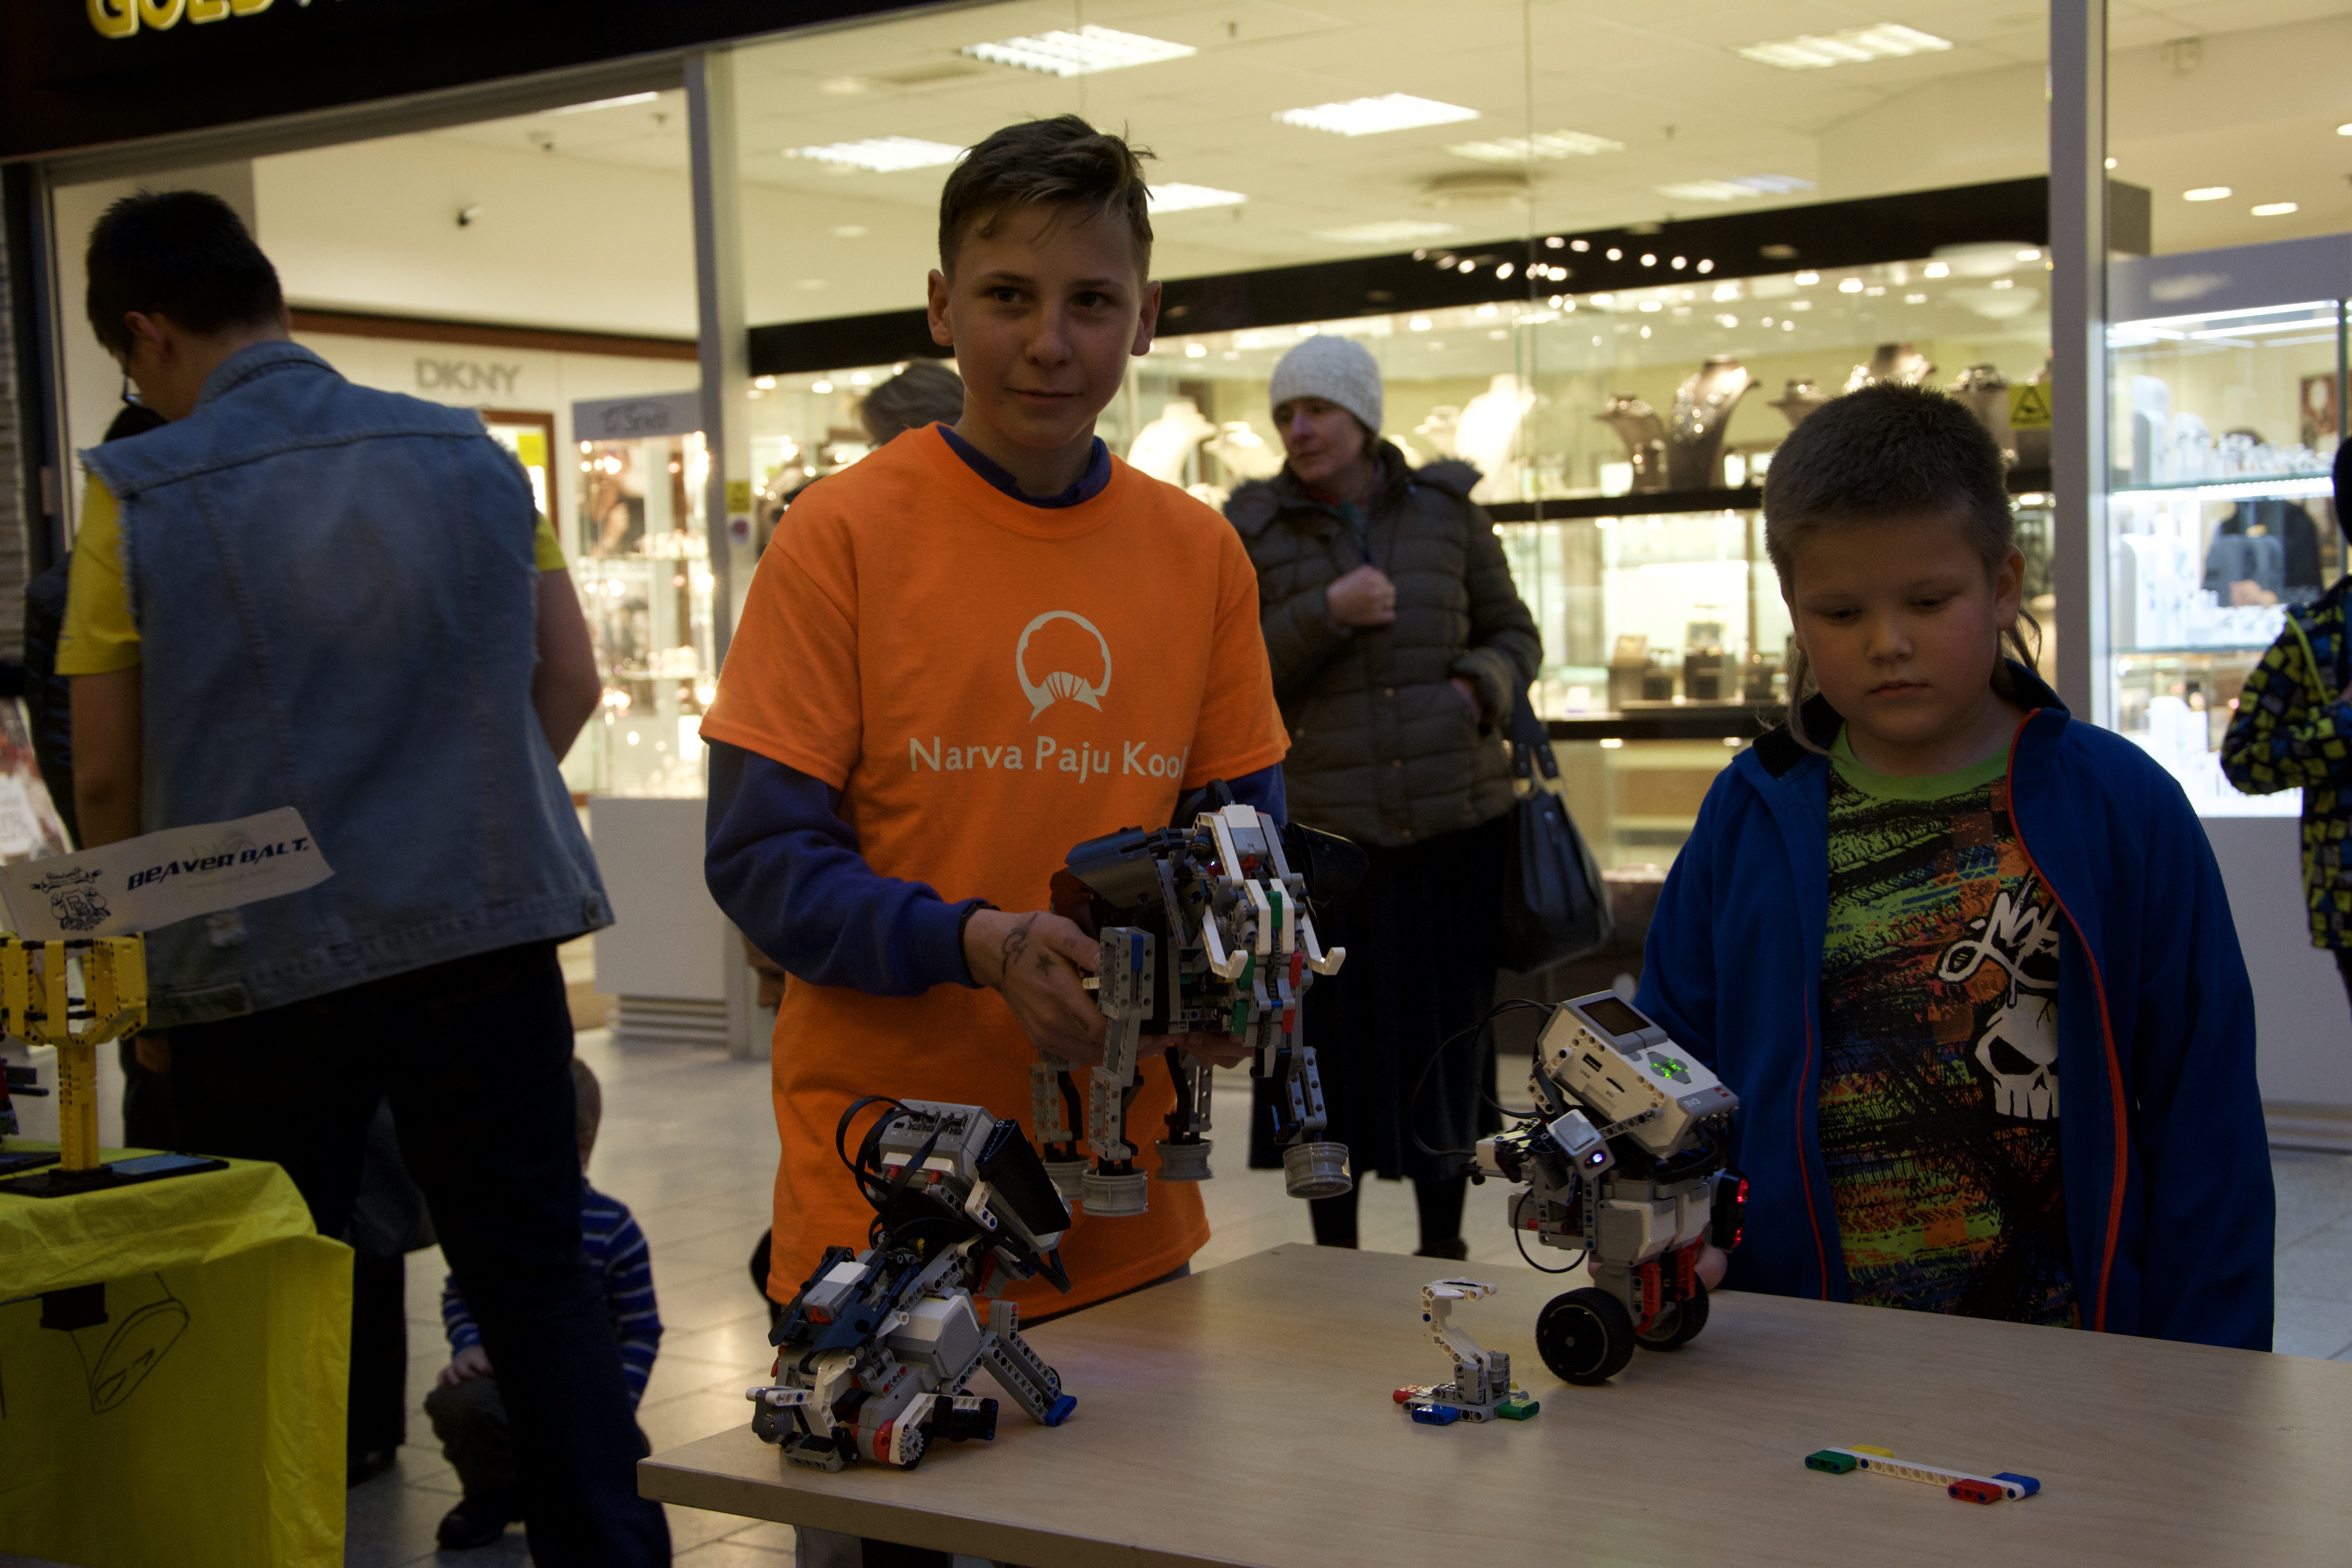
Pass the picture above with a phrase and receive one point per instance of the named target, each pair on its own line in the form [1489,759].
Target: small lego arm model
[1482,1389]
[1959,1484]
[76,995]
[1627,1164]
[1207,928]
[874,1352]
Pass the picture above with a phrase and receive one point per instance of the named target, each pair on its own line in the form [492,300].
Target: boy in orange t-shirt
[979,646]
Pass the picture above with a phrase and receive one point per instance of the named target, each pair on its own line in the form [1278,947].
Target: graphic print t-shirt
[1940,1094]
[988,684]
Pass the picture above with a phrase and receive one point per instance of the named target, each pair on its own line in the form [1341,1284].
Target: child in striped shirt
[467,1415]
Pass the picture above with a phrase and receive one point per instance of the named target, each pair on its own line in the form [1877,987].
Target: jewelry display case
[2225,394]
[641,559]
[1622,434]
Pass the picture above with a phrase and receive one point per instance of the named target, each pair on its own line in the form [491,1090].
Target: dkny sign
[465,376]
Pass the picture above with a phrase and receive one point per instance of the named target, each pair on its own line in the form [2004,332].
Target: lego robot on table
[1482,1389]
[1207,928]
[875,1353]
[1626,1161]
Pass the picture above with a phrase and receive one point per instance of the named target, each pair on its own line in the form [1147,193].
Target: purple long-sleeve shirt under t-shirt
[788,872]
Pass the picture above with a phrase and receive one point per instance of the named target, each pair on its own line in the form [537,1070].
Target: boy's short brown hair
[1060,162]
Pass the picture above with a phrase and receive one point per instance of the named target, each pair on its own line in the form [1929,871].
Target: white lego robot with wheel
[1204,930]
[1628,1164]
[874,1354]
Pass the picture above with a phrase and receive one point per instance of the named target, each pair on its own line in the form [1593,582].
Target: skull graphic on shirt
[2016,1032]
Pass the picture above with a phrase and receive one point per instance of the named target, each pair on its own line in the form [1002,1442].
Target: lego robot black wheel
[1585,1336]
[1678,1324]
[763,1424]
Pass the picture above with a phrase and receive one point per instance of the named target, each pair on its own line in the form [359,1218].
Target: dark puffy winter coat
[1382,748]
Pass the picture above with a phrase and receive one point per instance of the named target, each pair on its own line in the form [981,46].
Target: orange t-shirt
[987,683]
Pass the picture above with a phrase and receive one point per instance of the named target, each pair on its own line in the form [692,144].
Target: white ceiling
[2255,109]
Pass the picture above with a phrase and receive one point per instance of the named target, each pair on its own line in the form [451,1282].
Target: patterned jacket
[2294,728]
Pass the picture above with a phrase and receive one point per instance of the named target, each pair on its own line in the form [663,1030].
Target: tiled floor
[688,1145]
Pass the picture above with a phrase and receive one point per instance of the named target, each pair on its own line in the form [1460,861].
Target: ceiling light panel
[1389,233]
[1887,41]
[1744,188]
[1178,198]
[882,154]
[1371,116]
[1516,148]
[1080,51]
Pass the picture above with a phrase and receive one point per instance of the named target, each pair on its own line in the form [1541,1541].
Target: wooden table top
[1244,1416]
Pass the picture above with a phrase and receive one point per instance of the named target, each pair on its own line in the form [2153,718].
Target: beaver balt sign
[157,878]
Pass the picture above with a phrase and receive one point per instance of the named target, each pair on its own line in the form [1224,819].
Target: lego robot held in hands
[1627,1162]
[874,1354]
[1207,928]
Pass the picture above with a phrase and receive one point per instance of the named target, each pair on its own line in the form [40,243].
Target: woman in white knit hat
[1399,644]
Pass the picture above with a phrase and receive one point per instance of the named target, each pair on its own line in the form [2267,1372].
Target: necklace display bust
[1702,412]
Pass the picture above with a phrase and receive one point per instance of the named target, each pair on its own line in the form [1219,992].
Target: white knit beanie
[1335,369]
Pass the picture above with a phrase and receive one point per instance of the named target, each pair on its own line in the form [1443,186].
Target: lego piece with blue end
[2027,1484]
[1059,1411]
[1437,1415]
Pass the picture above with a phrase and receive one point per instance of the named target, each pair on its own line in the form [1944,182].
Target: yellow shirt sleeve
[98,636]
[547,548]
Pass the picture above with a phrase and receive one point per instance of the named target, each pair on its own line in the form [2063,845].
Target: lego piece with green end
[1517,1409]
[1832,1461]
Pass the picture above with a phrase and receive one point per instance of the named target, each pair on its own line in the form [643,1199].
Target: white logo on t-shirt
[1062,683]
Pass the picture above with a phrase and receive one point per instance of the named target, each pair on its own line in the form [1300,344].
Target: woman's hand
[1035,961]
[1212,1050]
[1364,597]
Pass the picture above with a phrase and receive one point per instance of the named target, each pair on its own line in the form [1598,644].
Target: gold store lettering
[122,18]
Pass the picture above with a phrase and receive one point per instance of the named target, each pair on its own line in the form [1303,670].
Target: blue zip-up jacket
[2164,1155]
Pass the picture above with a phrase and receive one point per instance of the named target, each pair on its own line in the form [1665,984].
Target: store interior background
[531,263]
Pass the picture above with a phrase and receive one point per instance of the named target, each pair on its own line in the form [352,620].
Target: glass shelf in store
[645,580]
[2219,513]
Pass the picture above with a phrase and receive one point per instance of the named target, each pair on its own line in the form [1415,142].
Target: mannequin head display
[1162,448]
[1799,400]
[1703,408]
[1644,435]
[1327,404]
[1898,364]
[1488,436]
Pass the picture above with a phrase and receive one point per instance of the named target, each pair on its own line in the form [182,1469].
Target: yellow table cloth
[202,1422]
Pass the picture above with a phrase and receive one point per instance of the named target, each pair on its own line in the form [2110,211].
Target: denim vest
[337,602]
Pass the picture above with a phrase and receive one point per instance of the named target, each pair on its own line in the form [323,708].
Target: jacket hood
[1256,504]
[1777,750]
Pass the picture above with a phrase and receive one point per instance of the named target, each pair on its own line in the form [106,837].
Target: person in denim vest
[306,593]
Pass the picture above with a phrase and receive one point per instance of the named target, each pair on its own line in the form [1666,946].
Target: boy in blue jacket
[1928,900]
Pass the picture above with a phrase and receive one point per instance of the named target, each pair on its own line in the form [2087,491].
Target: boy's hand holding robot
[1205,934]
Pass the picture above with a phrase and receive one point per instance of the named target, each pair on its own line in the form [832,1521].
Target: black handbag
[1555,908]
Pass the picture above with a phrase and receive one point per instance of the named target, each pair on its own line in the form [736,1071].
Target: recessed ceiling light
[883,154]
[1516,148]
[1937,269]
[1370,116]
[1063,52]
[625,98]
[1386,232]
[1740,189]
[2207,194]
[1804,278]
[849,231]
[1887,41]
[2274,209]
[1850,286]
[1179,197]
[2111,162]
[2344,129]
[1914,298]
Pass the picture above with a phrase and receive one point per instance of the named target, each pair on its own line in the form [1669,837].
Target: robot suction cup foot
[1068,1177]
[1112,1197]
[1183,1161]
[1316,1170]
